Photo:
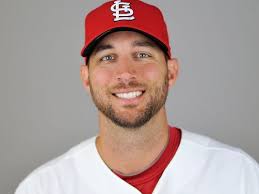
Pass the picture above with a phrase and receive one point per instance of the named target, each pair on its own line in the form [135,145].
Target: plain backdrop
[44,109]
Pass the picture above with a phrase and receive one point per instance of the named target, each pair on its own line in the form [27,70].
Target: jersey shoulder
[216,152]
[208,143]
[57,166]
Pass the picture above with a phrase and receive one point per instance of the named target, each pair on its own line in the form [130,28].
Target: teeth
[129,95]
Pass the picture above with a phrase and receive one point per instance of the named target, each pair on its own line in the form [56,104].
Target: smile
[129,95]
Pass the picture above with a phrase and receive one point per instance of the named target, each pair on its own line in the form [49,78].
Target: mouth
[129,95]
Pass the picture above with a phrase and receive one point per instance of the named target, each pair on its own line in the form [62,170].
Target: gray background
[44,109]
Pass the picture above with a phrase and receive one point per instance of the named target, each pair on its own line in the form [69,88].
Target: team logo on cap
[122,11]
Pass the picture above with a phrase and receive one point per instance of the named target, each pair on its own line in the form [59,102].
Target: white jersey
[200,166]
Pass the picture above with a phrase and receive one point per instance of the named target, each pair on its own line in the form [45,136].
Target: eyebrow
[102,47]
[137,43]
[144,43]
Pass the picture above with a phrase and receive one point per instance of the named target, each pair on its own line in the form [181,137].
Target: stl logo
[122,11]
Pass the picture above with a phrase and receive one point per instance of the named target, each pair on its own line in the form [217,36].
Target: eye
[107,58]
[143,55]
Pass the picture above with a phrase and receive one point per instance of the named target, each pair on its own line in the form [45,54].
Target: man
[128,72]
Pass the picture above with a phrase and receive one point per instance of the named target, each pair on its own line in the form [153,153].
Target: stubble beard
[157,100]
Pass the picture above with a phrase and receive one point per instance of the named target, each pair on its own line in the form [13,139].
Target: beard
[158,95]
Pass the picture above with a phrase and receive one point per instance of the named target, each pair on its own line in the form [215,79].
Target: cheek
[100,77]
[152,72]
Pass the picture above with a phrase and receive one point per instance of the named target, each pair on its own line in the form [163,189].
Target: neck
[130,151]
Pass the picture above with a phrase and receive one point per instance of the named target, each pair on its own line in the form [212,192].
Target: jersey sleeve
[251,176]
[29,186]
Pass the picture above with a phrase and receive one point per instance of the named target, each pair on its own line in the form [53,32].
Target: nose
[126,71]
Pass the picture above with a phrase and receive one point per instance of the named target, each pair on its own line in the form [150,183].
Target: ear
[173,69]
[84,74]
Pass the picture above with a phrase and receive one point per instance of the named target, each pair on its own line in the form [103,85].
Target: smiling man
[128,72]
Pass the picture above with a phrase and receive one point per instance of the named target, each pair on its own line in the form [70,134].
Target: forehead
[130,39]
[124,35]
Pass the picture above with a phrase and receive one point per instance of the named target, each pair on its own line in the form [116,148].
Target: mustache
[131,84]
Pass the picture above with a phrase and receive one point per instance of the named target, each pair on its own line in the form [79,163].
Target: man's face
[128,78]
